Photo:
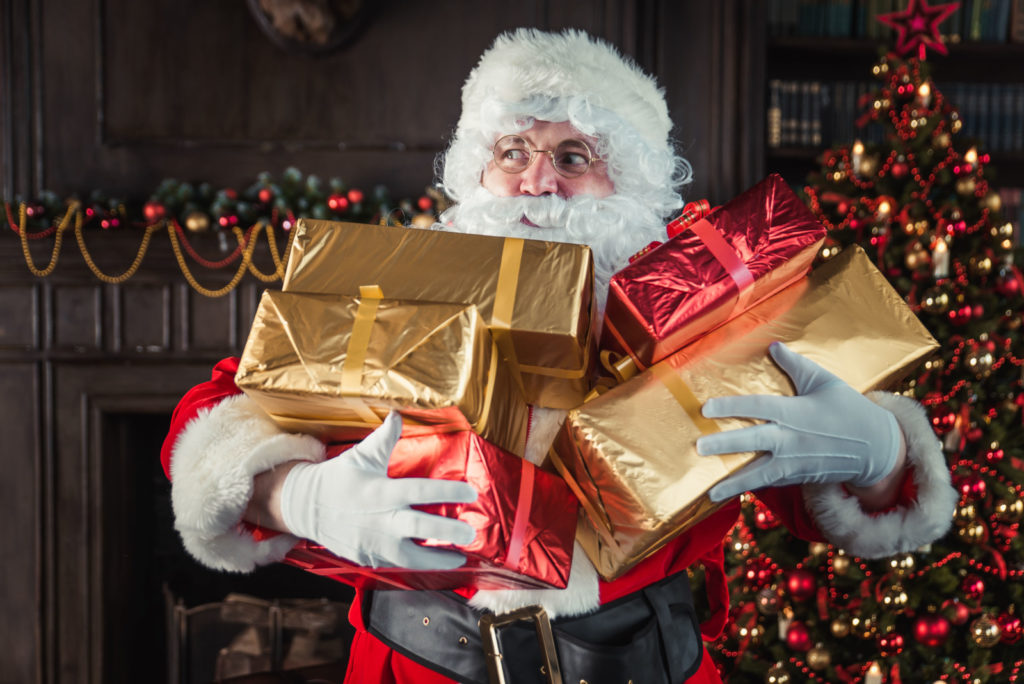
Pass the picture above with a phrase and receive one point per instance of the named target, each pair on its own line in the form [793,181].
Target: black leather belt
[650,636]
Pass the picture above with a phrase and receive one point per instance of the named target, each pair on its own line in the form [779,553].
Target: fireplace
[91,373]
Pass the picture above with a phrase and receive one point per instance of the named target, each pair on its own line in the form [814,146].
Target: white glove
[829,432]
[349,505]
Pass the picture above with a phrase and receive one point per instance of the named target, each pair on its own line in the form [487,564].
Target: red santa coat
[372,661]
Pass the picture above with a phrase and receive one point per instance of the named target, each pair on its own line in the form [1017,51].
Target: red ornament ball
[1008,284]
[900,169]
[931,630]
[994,455]
[337,203]
[801,584]
[1011,626]
[798,637]
[154,211]
[943,418]
[355,196]
[265,195]
[973,587]
[425,203]
[958,612]
[890,644]
[974,434]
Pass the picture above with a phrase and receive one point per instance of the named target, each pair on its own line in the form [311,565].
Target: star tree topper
[918,26]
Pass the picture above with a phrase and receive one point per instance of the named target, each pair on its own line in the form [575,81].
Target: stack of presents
[462,334]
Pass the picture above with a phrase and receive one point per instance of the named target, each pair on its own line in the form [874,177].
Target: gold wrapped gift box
[536,297]
[335,365]
[630,454]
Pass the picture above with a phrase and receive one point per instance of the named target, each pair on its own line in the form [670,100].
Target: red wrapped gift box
[525,520]
[713,270]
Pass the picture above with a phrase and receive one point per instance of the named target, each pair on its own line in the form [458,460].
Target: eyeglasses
[513,154]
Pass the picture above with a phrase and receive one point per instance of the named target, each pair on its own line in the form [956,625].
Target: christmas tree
[920,202]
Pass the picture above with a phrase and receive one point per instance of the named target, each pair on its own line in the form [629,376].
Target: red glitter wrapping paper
[711,272]
[525,520]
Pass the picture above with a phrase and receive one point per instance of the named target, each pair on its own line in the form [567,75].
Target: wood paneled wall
[118,95]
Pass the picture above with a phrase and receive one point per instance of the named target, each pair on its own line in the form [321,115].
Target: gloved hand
[829,432]
[349,505]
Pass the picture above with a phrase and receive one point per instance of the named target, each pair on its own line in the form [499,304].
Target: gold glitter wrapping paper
[536,297]
[334,365]
[630,454]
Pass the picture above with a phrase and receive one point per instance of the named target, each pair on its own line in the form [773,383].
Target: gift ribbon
[355,353]
[685,396]
[518,536]
[501,319]
[726,255]
[504,304]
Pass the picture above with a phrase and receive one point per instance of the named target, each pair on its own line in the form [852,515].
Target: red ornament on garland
[355,196]
[337,203]
[265,195]
[425,203]
[801,584]
[918,27]
[798,637]
[931,630]
[154,211]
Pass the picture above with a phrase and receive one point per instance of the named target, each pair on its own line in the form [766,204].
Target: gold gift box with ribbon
[630,455]
[335,365]
[536,297]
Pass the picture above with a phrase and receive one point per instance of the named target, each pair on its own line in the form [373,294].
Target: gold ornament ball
[197,222]
[902,565]
[868,166]
[868,627]
[992,201]
[917,256]
[974,532]
[943,140]
[841,626]
[895,598]
[423,220]
[935,300]
[956,125]
[1010,511]
[828,251]
[985,631]
[819,658]
[1005,230]
[818,549]
[965,515]
[966,186]
[777,674]
[980,264]
[840,564]
[980,362]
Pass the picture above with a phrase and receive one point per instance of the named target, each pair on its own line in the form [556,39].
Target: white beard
[615,227]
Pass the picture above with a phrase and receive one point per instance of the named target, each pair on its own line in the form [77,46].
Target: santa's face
[540,177]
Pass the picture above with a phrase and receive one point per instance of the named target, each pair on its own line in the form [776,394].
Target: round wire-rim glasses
[571,158]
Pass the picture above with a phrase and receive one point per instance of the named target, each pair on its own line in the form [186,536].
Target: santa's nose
[540,177]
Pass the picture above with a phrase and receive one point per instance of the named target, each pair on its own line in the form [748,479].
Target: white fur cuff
[214,461]
[840,517]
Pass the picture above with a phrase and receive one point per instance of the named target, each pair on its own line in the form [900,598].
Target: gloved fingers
[417,491]
[805,373]
[755,475]
[419,525]
[415,557]
[760,406]
[766,437]
[374,452]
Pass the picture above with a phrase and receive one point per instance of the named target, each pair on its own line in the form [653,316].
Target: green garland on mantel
[271,205]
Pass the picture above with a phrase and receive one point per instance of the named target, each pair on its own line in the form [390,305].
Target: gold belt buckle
[489,626]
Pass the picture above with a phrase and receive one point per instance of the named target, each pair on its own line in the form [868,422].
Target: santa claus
[561,138]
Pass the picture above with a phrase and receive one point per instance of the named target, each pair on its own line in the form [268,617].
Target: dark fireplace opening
[146,570]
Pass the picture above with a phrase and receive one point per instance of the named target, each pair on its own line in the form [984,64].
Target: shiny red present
[525,520]
[711,270]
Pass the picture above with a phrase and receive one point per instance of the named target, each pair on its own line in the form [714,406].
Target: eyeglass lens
[571,158]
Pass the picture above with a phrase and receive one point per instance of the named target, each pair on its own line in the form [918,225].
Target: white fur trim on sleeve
[845,524]
[214,461]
